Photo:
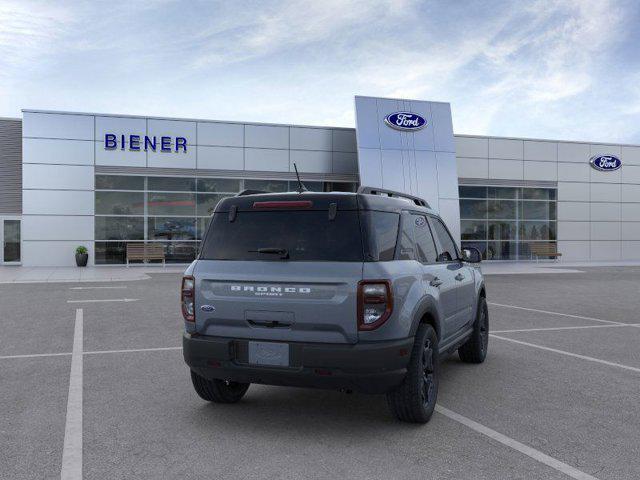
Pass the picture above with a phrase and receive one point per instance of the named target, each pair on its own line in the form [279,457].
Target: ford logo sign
[405,121]
[605,163]
[207,308]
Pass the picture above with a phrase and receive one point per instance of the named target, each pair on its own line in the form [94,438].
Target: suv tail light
[375,303]
[187,298]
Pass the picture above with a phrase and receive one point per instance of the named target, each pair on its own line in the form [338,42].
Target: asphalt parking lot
[102,379]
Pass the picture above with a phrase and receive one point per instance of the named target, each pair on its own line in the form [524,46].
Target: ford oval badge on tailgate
[207,308]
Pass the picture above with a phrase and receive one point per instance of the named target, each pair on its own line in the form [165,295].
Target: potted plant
[82,256]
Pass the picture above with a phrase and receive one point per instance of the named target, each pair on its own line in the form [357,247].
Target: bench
[544,250]
[145,252]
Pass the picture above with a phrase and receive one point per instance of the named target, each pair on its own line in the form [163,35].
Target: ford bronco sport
[350,291]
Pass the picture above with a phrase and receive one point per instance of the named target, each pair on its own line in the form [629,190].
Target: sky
[540,69]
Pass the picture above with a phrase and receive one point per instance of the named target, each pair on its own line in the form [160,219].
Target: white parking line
[159,349]
[98,288]
[562,352]
[566,328]
[72,450]
[515,445]
[125,300]
[556,313]
[35,355]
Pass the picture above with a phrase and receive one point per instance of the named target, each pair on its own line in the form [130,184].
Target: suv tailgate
[271,300]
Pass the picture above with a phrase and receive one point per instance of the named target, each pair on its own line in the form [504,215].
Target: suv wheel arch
[427,312]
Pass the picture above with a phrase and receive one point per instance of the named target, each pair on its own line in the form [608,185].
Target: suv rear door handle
[459,277]
[436,282]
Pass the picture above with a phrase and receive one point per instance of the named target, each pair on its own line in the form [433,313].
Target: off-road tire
[218,391]
[415,399]
[474,350]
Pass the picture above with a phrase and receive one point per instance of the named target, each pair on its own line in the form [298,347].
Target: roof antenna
[301,187]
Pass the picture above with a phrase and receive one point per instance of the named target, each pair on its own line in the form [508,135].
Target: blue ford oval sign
[605,163]
[405,121]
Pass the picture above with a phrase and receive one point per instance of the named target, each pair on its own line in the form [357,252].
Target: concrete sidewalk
[549,266]
[19,274]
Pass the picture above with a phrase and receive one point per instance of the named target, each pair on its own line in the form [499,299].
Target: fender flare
[427,306]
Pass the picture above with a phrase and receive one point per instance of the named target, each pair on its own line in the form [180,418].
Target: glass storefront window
[502,209]
[502,192]
[119,203]
[171,204]
[171,184]
[267,185]
[503,224]
[473,230]
[472,192]
[473,209]
[119,182]
[218,185]
[172,211]
[119,228]
[168,228]
[502,230]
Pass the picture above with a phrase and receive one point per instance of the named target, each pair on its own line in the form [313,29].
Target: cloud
[521,68]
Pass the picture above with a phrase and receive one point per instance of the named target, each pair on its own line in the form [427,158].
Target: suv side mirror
[471,255]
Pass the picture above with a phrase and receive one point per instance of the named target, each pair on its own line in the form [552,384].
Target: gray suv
[351,291]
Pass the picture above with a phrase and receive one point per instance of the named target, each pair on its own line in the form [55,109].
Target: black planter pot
[81,259]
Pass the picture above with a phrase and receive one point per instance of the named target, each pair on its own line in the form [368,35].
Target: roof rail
[250,192]
[390,193]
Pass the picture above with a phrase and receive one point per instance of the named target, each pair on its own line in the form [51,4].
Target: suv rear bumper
[364,367]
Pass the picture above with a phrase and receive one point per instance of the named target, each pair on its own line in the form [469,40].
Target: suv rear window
[304,235]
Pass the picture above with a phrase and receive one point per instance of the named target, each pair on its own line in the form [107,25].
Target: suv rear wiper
[283,252]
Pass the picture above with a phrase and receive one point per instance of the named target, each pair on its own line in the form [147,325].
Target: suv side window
[424,241]
[405,242]
[447,251]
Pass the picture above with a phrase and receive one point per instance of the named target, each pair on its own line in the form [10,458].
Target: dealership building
[106,181]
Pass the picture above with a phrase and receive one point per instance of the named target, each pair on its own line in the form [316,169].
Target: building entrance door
[10,240]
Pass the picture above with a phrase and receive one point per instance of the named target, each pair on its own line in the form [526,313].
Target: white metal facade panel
[57,202]
[63,152]
[605,212]
[473,167]
[574,172]
[266,160]
[172,128]
[119,157]
[266,136]
[57,177]
[544,151]
[605,251]
[52,253]
[221,134]
[120,126]
[472,147]
[573,230]
[344,162]
[506,169]
[172,159]
[309,161]
[311,139]
[344,141]
[220,158]
[57,227]
[506,149]
[535,170]
[630,155]
[420,162]
[57,125]
[573,152]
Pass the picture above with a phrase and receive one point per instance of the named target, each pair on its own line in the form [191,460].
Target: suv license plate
[268,353]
